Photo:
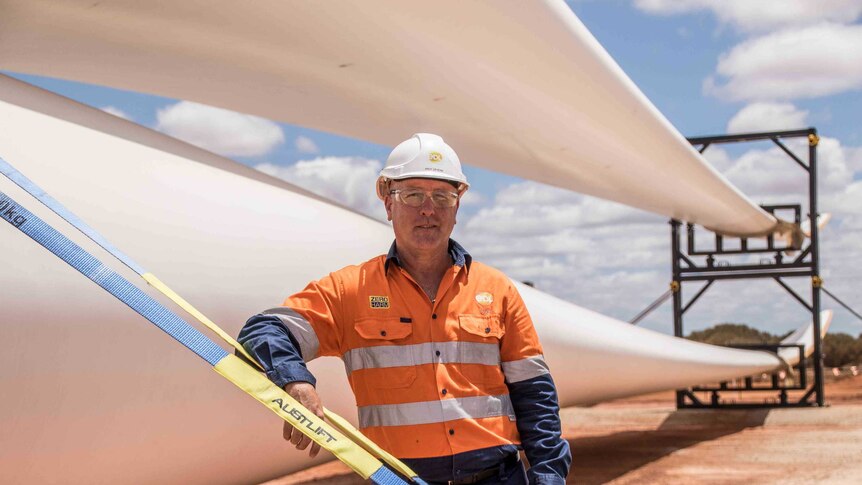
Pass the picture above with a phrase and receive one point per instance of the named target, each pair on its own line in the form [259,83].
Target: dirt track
[646,440]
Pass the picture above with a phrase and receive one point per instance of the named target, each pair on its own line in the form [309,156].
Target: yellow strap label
[287,408]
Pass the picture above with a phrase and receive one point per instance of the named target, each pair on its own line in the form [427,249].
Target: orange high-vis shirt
[429,377]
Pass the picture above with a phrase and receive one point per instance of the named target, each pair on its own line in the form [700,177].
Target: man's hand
[307,396]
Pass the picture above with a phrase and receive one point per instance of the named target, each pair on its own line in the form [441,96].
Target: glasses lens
[441,198]
[413,198]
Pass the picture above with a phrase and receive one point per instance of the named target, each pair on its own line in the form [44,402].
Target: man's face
[425,227]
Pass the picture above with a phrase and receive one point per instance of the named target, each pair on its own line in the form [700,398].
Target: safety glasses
[441,199]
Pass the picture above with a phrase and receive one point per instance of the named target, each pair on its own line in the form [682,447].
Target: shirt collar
[459,255]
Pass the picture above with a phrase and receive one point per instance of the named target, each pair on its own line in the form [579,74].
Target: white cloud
[221,131]
[306,145]
[770,176]
[767,117]
[761,15]
[854,159]
[833,169]
[347,180]
[116,112]
[848,201]
[472,198]
[815,61]
[530,208]
[718,158]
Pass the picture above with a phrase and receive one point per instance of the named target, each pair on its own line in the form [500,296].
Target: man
[440,351]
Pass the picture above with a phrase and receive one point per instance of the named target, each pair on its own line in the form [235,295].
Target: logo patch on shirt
[379,301]
[484,298]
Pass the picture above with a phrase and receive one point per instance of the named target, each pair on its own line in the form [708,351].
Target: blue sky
[693,59]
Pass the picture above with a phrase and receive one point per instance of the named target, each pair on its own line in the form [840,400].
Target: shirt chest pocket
[479,349]
[382,355]
[486,326]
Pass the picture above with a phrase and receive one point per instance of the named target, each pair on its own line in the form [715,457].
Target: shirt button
[437,353]
[487,329]
[383,333]
[451,431]
[444,391]
[434,316]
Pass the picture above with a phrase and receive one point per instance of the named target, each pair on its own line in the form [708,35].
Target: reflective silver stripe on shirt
[436,411]
[300,329]
[383,356]
[521,370]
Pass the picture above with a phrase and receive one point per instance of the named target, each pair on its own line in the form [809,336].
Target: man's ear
[387,202]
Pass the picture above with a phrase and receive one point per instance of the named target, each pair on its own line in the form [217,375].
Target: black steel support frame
[684,269]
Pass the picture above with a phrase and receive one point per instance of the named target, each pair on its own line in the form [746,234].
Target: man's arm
[268,340]
[283,339]
[538,413]
[533,395]
[305,327]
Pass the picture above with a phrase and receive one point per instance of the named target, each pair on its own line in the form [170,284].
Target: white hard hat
[423,155]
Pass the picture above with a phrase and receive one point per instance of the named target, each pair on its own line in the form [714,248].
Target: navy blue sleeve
[537,411]
[271,344]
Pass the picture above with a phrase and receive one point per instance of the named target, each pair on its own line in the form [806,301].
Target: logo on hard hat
[435,157]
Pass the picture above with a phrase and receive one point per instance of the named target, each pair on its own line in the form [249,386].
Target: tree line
[840,349]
